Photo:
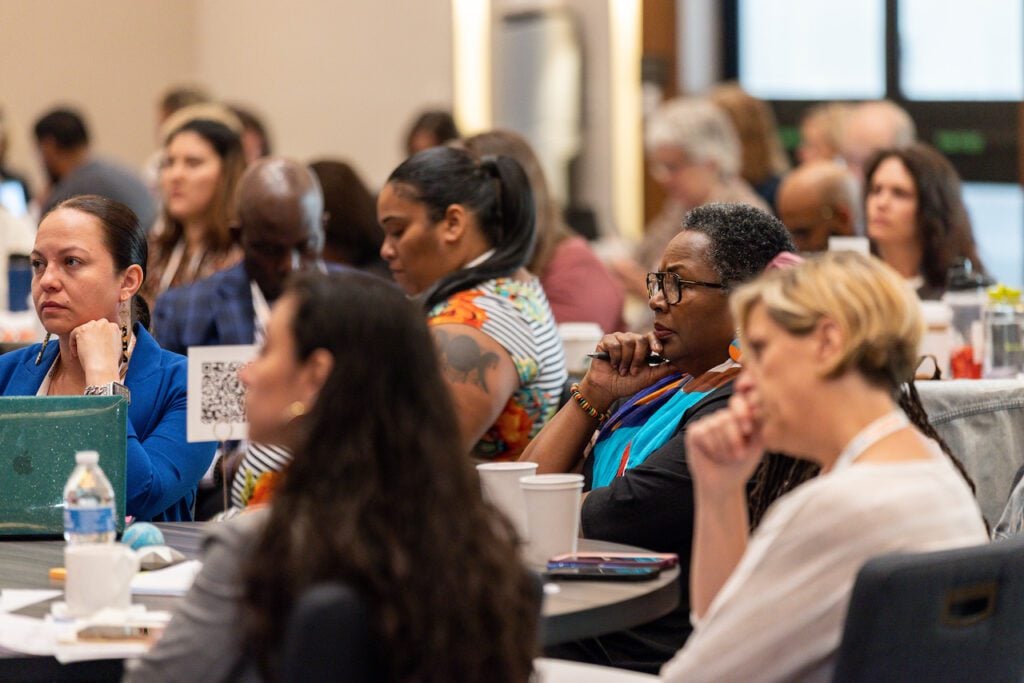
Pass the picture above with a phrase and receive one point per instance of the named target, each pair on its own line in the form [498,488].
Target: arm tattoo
[462,359]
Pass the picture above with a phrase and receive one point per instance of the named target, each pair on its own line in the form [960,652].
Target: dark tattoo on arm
[462,359]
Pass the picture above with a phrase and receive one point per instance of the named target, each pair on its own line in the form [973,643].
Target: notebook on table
[38,440]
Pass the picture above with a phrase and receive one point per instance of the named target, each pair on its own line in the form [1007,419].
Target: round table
[571,610]
[581,609]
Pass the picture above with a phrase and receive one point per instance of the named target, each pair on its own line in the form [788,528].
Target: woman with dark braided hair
[378,497]
[827,347]
[458,232]
[639,491]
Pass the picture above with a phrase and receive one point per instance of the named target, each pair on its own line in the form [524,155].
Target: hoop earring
[42,349]
[124,343]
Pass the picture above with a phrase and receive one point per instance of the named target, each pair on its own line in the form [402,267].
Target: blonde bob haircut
[878,314]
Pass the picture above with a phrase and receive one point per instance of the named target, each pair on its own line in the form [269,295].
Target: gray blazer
[204,639]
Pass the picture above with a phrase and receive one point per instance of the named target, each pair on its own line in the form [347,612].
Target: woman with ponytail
[88,264]
[458,231]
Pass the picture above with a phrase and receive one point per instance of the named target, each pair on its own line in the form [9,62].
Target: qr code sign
[223,399]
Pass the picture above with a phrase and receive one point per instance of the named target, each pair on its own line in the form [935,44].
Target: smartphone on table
[600,573]
[614,559]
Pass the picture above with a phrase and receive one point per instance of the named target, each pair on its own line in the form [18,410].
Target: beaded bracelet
[574,392]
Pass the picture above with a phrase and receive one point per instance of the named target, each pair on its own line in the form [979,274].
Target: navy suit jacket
[214,311]
[163,469]
[210,312]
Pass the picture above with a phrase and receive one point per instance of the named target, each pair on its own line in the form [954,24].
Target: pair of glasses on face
[672,286]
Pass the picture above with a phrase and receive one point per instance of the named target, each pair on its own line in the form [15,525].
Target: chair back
[327,638]
[982,421]
[953,615]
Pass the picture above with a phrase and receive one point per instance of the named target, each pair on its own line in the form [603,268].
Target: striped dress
[516,315]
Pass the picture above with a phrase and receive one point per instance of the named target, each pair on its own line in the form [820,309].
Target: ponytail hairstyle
[494,188]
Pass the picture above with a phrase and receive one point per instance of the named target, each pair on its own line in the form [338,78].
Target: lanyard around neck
[261,309]
[888,424]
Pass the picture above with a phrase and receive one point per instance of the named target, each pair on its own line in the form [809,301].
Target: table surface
[573,610]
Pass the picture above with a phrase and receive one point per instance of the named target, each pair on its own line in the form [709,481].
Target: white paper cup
[579,339]
[98,576]
[500,484]
[552,514]
[861,245]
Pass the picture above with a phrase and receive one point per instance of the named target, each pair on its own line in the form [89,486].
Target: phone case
[592,573]
[613,559]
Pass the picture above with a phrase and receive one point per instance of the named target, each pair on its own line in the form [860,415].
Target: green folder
[39,436]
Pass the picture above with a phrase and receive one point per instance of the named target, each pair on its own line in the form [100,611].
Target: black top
[650,506]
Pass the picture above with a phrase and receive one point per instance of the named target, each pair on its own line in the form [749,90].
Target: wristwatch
[109,389]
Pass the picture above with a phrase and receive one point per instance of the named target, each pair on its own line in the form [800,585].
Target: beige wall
[332,78]
[111,59]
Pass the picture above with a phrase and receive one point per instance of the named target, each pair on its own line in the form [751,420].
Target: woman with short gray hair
[693,152]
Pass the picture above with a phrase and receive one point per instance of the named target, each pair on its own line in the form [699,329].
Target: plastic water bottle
[1004,348]
[88,502]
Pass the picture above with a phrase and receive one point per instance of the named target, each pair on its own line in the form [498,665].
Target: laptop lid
[39,436]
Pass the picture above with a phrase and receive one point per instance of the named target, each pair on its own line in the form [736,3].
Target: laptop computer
[38,440]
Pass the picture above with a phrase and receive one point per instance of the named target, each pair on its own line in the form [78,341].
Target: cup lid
[551,482]
[524,466]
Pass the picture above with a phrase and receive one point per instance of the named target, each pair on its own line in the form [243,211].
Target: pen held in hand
[652,358]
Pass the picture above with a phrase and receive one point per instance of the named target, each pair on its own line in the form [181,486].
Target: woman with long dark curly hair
[916,218]
[379,496]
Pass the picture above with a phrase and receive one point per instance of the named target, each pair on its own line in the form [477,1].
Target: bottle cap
[87,457]
[1003,294]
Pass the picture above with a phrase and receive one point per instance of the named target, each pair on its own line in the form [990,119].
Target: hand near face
[626,371]
[97,346]
[724,448]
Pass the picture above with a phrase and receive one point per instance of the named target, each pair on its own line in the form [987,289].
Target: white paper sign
[216,397]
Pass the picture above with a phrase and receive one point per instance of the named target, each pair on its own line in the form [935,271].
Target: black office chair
[327,638]
[955,615]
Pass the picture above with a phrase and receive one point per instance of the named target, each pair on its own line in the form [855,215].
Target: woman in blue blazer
[88,262]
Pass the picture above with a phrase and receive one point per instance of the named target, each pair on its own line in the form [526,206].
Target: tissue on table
[157,557]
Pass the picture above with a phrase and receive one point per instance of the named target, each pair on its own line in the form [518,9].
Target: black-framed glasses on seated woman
[672,286]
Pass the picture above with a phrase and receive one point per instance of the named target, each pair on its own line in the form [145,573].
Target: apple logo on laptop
[23,464]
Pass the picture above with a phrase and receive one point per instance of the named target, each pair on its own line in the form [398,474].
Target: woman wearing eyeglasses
[639,490]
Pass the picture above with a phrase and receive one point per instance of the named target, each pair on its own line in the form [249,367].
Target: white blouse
[779,616]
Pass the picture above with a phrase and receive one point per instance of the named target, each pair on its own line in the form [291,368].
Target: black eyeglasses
[672,286]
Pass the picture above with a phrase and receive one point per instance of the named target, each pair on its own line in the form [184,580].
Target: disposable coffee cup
[579,339]
[861,245]
[500,484]
[98,576]
[552,514]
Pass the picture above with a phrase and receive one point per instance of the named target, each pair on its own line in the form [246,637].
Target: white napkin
[174,580]
[14,599]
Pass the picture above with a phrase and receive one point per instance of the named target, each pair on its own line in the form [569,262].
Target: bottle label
[97,520]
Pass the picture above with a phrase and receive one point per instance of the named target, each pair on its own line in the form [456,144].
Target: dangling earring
[42,349]
[124,343]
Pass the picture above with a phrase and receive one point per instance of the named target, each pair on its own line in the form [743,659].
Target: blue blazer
[163,468]
[210,312]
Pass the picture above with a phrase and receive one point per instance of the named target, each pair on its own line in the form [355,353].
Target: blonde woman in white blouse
[826,347]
